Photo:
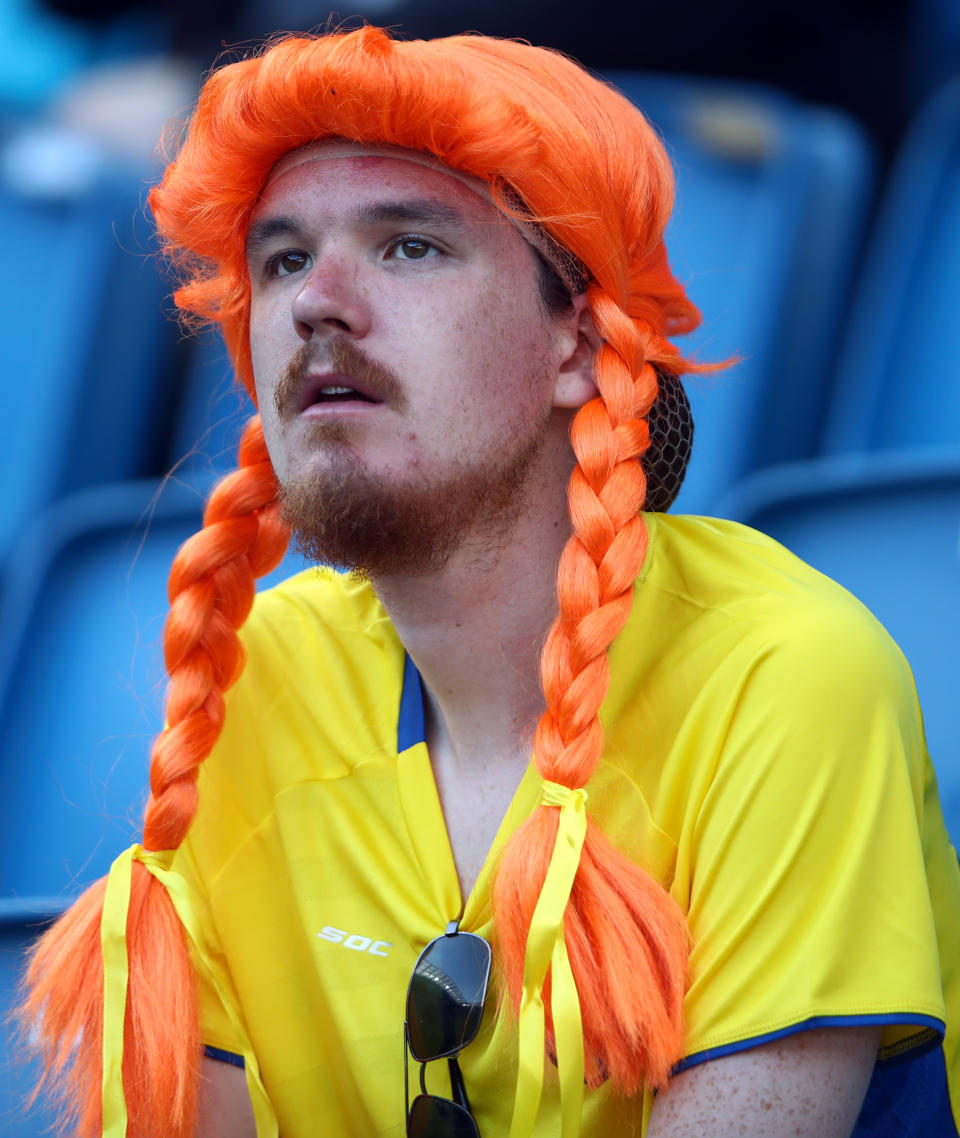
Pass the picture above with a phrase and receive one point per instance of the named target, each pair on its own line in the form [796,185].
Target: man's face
[402,357]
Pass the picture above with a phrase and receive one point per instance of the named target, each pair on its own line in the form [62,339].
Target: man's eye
[288,262]
[411,249]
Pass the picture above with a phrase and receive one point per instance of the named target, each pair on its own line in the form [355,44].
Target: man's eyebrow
[411,211]
[263,232]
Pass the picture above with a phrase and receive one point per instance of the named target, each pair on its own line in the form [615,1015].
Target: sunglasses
[444,1008]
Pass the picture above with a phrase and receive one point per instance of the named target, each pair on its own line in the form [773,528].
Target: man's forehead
[365,192]
[371,155]
[371,186]
[332,150]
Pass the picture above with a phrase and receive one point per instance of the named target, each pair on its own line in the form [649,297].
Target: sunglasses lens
[432,1117]
[445,1000]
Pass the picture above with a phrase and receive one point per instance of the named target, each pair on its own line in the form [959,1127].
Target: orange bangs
[528,121]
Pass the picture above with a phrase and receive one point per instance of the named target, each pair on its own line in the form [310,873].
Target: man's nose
[332,299]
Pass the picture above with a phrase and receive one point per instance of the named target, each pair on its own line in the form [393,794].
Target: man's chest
[474,803]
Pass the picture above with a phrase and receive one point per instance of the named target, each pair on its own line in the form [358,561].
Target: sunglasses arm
[406,1072]
[457,1085]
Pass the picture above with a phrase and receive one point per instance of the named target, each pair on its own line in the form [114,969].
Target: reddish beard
[378,525]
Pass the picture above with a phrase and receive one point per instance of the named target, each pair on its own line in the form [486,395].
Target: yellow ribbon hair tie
[546,948]
[116,971]
[556,794]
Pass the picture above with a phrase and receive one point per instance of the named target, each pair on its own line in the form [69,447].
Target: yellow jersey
[764,760]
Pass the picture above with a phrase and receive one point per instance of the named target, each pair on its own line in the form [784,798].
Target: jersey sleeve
[801,859]
[222,1029]
[220,1021]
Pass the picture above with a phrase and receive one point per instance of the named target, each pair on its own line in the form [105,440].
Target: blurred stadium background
[817,149]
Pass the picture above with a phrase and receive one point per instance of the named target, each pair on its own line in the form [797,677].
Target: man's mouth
[316,392]
[337,394]
[339,376]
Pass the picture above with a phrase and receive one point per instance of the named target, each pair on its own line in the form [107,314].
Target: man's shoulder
[320,690]
[742,665]
[315,610]
[319,591]
[711,570]
[715,558]
[320,633]
[720,605]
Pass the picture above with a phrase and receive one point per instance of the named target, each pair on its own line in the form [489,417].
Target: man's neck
[475,630]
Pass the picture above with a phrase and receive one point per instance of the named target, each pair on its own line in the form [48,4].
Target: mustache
[344,357]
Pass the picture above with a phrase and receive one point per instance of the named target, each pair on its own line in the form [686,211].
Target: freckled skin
[808,1085]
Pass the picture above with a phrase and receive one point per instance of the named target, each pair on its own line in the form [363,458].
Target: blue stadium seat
[82,680]
[41,52]
[18,925]
[81,685]
[935,28]
[81,317]
[899,380]
[79,626]
[887,527]
[211,414]
[772,199]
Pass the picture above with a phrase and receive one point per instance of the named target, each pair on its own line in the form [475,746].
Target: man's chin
[379,526]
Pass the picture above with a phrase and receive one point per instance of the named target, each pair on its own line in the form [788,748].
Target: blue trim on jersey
[908,1096]
[822,1021]
[223,1056]
[908,1100]
[410,723]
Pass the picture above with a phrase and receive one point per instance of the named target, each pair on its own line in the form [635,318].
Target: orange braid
[211,591]
[626,937]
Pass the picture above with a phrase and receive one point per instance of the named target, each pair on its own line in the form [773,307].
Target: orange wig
[568,154]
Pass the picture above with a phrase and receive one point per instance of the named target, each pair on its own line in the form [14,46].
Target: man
[440,268]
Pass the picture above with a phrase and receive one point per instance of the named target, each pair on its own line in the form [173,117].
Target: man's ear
[575,383]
